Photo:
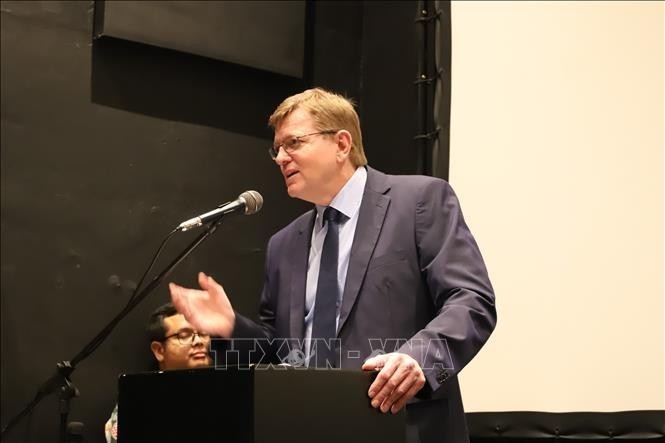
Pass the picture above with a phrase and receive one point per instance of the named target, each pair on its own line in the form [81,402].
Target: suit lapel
[370,221]
[299,256]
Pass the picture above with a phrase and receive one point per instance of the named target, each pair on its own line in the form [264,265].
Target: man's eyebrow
[279,142]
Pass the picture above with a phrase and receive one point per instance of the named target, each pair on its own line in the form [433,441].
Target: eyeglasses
[292,144]
[186,336]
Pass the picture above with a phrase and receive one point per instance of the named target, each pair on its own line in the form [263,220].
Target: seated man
[175,345]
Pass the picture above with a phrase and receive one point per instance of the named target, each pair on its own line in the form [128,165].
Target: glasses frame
[295,141]
[201,335]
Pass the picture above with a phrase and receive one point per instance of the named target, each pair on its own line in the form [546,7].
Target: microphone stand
[61,379]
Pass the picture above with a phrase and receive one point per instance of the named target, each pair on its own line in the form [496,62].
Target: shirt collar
[348,199]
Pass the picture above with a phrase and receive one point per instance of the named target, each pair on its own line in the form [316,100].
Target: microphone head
[253,202]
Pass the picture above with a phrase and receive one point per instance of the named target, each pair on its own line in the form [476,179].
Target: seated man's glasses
[292,144]
[186,336]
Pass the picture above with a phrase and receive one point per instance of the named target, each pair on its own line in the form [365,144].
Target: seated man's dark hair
[156,329]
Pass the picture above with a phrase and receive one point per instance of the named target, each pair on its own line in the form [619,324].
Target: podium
[257,404]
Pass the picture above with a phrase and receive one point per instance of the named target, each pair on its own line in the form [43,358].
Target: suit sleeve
[247,328]
[456,278]
[253,340]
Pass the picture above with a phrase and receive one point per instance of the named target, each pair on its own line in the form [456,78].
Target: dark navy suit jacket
[416,283]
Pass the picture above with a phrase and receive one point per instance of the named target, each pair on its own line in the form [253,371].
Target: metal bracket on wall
[433,88]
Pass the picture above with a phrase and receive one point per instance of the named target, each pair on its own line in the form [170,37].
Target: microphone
[249,201]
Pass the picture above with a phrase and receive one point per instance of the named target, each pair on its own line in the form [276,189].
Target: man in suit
[390,279]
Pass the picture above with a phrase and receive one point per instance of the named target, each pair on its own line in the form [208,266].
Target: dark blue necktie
[324,329]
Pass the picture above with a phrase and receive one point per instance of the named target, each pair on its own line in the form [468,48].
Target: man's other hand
[399,380]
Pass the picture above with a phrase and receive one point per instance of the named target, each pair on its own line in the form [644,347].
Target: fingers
[410,393]
[389,379]
[207,309]
[209,284]
[184,298]
[376,362]
[179,299]
[386,370]
[204,280]
[398,381]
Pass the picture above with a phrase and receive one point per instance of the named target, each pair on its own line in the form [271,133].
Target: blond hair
[329,111]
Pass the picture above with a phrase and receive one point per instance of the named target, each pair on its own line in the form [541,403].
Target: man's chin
[199,363]
[293,191]
[297,192]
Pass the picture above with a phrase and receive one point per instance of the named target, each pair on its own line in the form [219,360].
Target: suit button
[442,376]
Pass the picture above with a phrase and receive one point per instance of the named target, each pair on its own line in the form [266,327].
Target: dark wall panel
[388,99]
[263,34]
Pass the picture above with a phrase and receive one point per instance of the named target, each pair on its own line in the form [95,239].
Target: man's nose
[197,340]
[282,157]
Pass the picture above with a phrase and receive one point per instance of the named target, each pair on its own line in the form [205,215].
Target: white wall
[557,157]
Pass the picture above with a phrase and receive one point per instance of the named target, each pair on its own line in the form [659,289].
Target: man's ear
[344,144]
[157,349]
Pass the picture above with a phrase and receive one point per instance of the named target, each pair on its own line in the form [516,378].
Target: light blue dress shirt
[347,201]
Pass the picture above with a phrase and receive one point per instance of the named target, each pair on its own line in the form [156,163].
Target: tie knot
[332,215]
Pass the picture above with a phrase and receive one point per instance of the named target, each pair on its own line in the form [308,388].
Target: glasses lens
[291,144]
[185,337]
[203,337]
